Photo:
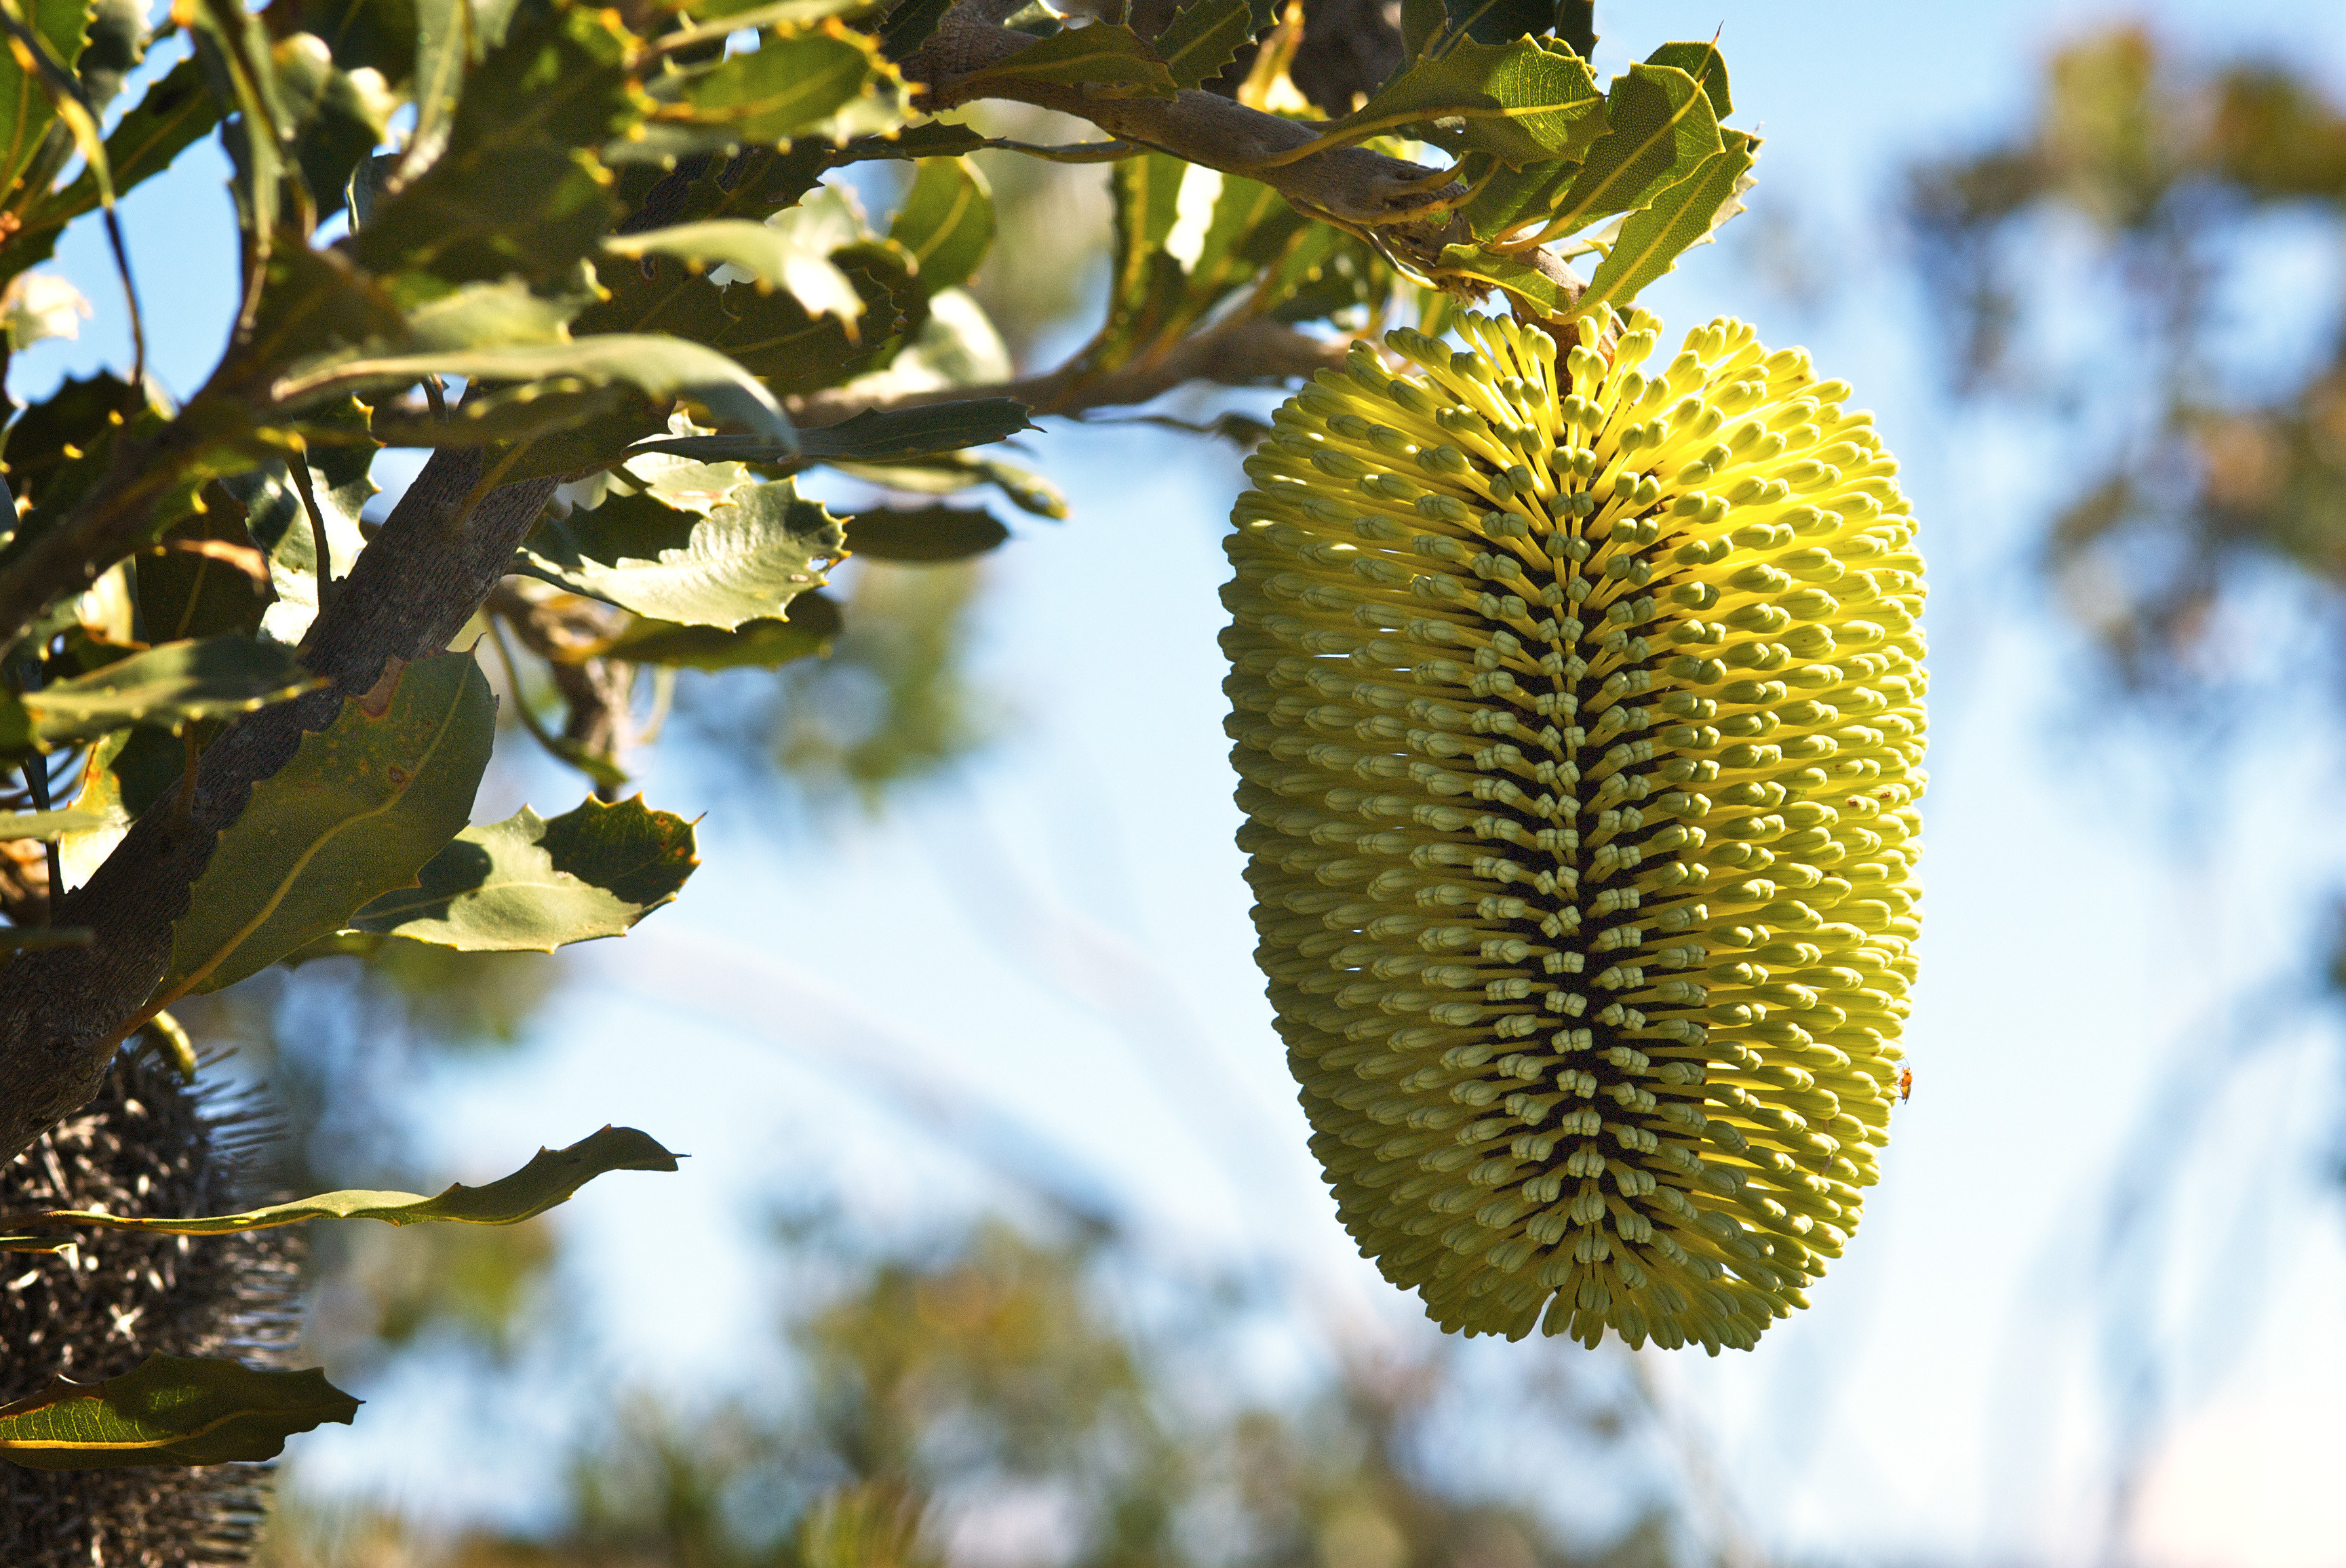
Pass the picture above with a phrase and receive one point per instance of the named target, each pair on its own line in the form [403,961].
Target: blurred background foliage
[2133,204]
[993,1396]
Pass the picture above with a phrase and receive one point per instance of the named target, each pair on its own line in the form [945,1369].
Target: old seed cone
[148,1144]
[1578,711]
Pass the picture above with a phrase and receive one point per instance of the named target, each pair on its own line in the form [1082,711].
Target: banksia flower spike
[1578,712]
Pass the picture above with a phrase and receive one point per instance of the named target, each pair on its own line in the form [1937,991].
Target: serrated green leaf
[173,1411]
[1107,57]
[871,436]
[47,825]
[662,368]
[814,621]
[742,563]
[530,885]
[550,1177]
[518,189]
[1204,37]
[1662,131]
[175,112]
[1528,102]
[1686,215]
[946,222]
[773,255]
[357,812]
[1706,65]
[931,534]
[26,110]
[797,82]
[208,677]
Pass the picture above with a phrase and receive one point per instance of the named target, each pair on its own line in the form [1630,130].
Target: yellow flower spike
[1578,711]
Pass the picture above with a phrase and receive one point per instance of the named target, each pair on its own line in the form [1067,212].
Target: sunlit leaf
[174,1411]
[1527,102]
[1662,131]
[1706,65]
[661,368]
[813,623]
[530,885]
[1687,214]
[550,1178]
[795,83]
[357,811]
[742,563]
[25,110]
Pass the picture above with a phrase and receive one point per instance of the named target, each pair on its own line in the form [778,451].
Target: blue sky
[1059,937]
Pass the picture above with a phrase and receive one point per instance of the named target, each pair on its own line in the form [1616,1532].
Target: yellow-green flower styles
[1578,703]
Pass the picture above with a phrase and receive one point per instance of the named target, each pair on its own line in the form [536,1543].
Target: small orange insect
[1905,1085]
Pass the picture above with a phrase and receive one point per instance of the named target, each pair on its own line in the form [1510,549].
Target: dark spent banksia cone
[1579,720]
[146,1145]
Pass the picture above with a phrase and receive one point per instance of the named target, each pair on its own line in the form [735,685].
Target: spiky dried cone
[1578,712]
[146,1145]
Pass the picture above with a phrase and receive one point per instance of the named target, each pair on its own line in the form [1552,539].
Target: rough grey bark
[413,589]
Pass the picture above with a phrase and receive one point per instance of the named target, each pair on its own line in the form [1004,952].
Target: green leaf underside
[530,885]
[550,1177]
[791,83]
[172,1410]
[1662,131]
[357,811]
[946,222]
[1527,102]
[814,621]
[743,562]
[1686,215]
[208,677]
[931,534]
[661,368]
